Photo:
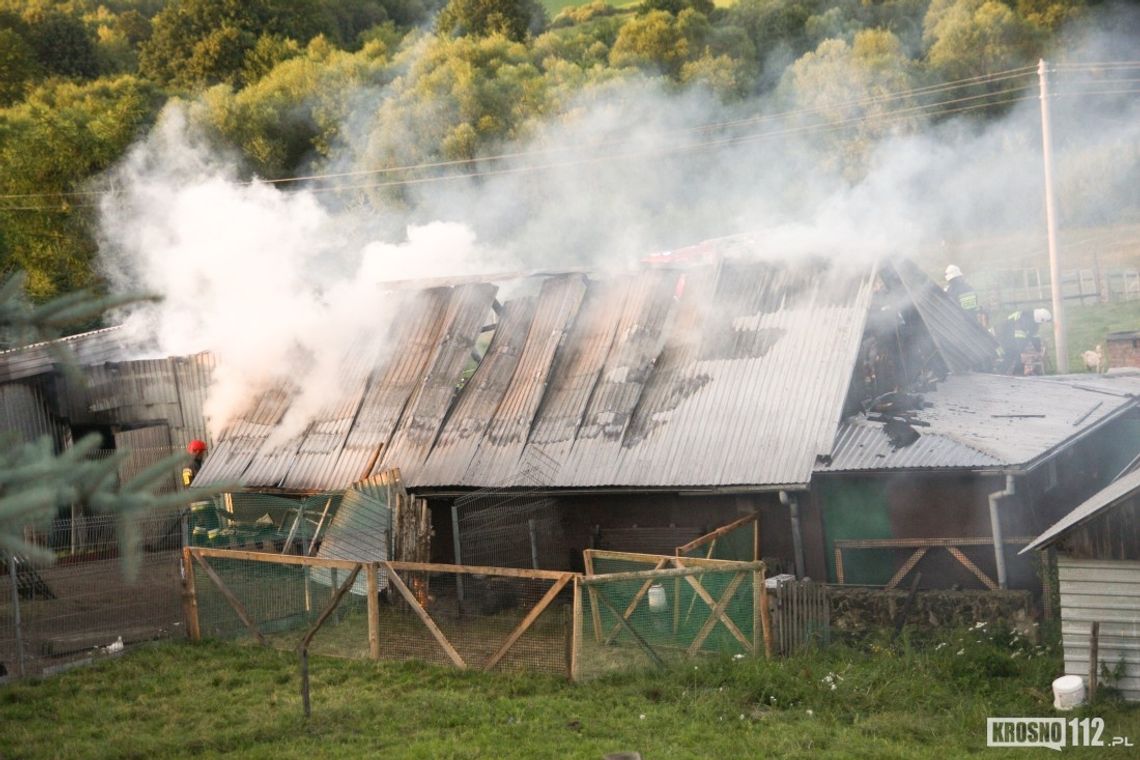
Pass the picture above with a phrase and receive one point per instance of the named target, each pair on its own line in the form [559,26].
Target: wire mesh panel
[280,602]
[643,610]
[738,541]
[84,606]
[518,528]
[262,521]
[511,622]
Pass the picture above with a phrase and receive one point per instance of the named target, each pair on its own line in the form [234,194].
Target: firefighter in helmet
[196,449]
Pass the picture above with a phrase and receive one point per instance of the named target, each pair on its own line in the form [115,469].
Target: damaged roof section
[723,374]
[981,421]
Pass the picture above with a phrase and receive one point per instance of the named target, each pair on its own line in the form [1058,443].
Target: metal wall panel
[1107,592]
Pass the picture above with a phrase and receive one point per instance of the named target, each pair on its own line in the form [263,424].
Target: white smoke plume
[284,282]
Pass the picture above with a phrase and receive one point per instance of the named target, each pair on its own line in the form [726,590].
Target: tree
[17,66]
[195,43]
[63,44]
[50,143]
[661,41]
[514,19]
[968,38]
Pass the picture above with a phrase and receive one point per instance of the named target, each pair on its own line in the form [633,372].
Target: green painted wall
[856,508]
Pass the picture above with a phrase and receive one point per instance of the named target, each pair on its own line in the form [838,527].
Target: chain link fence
[84,606]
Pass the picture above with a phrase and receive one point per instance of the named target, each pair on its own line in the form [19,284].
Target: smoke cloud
[285,282]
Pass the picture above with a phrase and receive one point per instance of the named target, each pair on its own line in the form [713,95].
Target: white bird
[116,646]
[1094,360]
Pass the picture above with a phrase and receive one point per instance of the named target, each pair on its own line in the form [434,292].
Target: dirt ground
[94,605]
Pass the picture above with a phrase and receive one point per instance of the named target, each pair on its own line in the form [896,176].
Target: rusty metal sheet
[467,311]
[639,338]
[465,427]
[230,457]
[500,451]
[414,336]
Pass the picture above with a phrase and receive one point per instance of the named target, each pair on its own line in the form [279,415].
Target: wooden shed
[1098,565]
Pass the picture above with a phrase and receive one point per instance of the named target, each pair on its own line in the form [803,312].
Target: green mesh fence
[283,601]
[665,615]
[737,543]
[466,620]
[261,521]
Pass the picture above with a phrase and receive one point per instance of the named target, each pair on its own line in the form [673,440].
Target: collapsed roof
[732,373]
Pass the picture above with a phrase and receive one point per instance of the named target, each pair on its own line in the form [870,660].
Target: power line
[929,89]
[935,109]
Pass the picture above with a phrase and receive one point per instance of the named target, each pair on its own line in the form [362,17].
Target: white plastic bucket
[657,597]
[1068,692]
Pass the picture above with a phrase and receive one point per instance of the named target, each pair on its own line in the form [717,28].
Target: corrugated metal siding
[93,347]
[980,420]
[23,412]
[963,343]
[228,460]
[1107,592]
[146,446]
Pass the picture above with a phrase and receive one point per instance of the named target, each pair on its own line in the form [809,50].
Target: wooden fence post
[190,597]
[373,611]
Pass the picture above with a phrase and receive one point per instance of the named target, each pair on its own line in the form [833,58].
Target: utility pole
[1059,341]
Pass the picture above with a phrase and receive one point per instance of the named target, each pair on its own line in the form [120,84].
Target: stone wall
[859,611]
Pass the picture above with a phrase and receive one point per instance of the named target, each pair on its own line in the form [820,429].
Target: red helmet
[196,447]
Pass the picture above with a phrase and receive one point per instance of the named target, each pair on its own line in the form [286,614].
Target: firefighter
[964,294]
[1020,343]
[196,449]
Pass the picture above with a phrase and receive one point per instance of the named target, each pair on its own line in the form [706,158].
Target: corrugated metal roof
[983,421]
[1108,497]
[467,312]
[962,342]
[92,347]
[730,374]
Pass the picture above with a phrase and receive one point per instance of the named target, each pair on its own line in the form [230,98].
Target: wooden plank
[410,598]
[697,542]
[528,621]
[272,557]
[595,613]
[327,612]
[907,566]
[957,554]
[718,614]
[649,559]
[672,572]
[239,608]
[641,592]
[839,565]
[708,600]
[373,611]
[641,642]
[190,598]
[765,615]
[501,572]
[914,543]
[576,633]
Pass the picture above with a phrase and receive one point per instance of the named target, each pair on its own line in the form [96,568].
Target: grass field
[210,699]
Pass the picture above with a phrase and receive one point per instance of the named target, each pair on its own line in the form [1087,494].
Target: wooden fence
[802,616]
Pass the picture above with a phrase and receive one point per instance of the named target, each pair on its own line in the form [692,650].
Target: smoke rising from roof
[285,282]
